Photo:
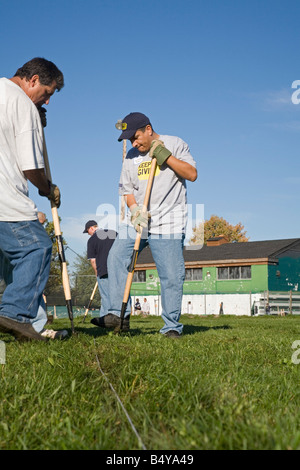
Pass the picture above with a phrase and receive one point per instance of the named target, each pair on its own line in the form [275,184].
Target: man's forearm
[38,178]
[93,263]
[130,200]
[182,169]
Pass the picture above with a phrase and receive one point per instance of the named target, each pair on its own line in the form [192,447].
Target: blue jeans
[41,319]
[167,253]
[103,289]
[6,270]
[28,248]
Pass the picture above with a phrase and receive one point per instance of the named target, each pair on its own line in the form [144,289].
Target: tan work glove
[139,217]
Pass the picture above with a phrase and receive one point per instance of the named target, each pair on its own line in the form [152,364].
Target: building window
[222,273]
[245,272]
[139,276]
[194,274]
[234,272]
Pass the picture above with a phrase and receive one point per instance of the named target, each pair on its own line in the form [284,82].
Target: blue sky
[217,73]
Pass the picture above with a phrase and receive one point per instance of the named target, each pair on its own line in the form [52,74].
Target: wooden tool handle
[139,235]
[91,299]
[59,240]
[122,214]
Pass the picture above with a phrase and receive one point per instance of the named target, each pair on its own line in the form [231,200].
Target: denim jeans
[41,319]
[6,270]
[167,252]
[28,248]
[103,289]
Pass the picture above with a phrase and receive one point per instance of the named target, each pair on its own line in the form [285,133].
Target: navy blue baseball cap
[90,223]
[131,123]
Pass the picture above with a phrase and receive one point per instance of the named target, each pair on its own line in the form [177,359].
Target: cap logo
[121,126]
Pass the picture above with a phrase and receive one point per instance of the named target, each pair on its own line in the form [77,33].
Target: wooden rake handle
[91,300]
[59,240]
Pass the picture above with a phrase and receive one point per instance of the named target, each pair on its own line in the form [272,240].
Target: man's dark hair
[144,128]
[46,70]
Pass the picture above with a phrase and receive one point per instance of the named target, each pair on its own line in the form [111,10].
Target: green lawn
[228,383]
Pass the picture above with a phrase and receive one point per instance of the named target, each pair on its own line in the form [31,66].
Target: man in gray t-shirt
[165,223]
[168,196]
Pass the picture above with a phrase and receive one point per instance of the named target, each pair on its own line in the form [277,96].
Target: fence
[82,287]
[264,303]
[278,303]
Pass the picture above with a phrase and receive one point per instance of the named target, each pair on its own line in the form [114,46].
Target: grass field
[228,383]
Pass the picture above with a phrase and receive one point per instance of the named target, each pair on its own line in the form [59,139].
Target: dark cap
[131,123]
[89,224]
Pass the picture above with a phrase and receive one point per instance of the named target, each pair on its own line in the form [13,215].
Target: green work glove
[54,194]
[159,151]
[139,218]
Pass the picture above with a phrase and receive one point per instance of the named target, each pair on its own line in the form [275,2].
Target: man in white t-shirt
[168,216]
[146,307]
[23,240]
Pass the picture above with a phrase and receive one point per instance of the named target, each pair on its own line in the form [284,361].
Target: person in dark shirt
[98,246]
[137,307]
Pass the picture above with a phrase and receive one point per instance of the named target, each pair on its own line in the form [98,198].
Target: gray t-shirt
[167,205]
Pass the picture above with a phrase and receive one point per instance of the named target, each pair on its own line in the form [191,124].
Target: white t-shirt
[146,307]
[21,148]
[167,205]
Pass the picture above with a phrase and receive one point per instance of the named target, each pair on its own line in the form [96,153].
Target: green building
[231,278]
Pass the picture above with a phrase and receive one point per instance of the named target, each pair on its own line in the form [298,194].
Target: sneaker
[20,330]
[172,334]
[111,321]
[52,334]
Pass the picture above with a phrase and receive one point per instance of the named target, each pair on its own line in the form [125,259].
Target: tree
[217,226]
[84,277]
[54,288]
[84,282]
[54,283]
